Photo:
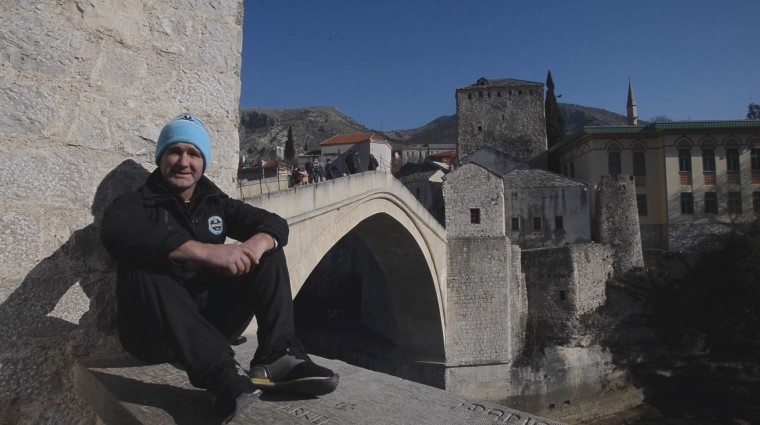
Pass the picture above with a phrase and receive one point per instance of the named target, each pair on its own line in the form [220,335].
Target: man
[184,295]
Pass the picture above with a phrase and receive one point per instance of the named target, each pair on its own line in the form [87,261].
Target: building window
[732,159]
[519,92]
[613,163]
[684,160]
[480,128]
[516,224]
[711,203]
[734,202]
[559,223]
[469,95]
[480,94]
[639,164]
[687,203]
[755,159]
[756,202]
[418,194]
[536,223]
[572,170]
[489,94]
[641,204]
[561,295]
[498,94]
[475,215]
[708,160]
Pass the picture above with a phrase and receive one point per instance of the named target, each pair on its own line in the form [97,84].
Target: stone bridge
[405,239]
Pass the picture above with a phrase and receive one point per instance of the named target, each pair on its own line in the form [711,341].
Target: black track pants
[192,321]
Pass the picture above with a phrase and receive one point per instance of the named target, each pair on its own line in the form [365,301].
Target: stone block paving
[122,390]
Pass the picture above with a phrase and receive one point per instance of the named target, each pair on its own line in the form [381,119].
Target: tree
[555,123]
[753,111]
[290,149]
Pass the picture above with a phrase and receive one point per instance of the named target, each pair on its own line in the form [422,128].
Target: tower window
[559,222]
[480,94]
[519,92]
[516,224]
[469,95]
[498,94]
[475,215]
[480,128]
[537,223]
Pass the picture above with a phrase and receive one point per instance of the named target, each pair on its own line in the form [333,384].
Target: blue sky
[395,64]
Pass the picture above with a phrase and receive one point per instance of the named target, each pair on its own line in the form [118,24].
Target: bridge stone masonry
[405,239]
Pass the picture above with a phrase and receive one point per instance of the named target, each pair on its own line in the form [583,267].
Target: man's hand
[230,259]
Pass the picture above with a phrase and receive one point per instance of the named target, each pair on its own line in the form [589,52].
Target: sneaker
[231,390]
[290,370]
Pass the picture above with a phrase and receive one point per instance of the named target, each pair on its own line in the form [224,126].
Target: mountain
[261,129]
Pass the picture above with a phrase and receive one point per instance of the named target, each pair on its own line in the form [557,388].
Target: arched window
[614,163]
[639,159]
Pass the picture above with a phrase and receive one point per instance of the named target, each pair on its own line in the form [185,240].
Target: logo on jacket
[215,225]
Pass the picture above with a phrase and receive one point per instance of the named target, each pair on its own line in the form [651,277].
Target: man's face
[181,167]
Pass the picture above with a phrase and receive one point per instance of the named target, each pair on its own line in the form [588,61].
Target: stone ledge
[122,390]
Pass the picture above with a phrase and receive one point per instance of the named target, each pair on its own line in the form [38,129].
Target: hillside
[262,129]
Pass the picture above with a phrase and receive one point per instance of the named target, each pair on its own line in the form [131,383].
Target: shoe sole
[304,386]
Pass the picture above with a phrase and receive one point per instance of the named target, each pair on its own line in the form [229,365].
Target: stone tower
[632,110]
[504,114]
[618,221]
[487,298]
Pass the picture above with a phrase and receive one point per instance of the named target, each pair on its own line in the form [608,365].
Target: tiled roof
[538,178]
[346,139]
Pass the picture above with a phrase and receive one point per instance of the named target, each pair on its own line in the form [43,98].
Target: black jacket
[146,225]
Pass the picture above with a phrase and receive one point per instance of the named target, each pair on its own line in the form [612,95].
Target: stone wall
[487,302]
[503,114]
[472,190]
[696,237]
[617,221]
[564,283]
[653,236]
[84,90]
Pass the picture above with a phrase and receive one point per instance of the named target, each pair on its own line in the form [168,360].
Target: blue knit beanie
[185,128]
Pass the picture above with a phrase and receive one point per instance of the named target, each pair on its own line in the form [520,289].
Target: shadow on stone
[63,309]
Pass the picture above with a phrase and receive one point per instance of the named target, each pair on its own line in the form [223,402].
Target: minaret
[633,113]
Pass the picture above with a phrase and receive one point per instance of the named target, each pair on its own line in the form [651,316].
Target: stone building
[505,114]
[84,90]
[542,209]
[694,179]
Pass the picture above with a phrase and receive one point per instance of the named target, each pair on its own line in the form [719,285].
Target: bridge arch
[408,244]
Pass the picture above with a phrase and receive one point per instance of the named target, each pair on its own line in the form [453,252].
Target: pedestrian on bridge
[186,296]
